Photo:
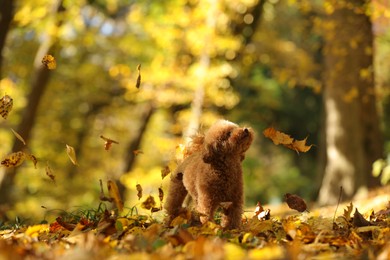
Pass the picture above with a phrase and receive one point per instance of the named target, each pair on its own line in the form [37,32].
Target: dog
[211,173]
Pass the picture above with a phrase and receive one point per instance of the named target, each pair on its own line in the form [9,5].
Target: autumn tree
[353,138]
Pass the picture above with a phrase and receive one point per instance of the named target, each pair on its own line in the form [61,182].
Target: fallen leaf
[18,136]
[286,140]
[359,220]
[139,190]
[49,61]
[13,159]
[113,191]
[6,104]
[108,143]
[348,211]
[295,202]
[138,84]
[165,171]
[262,214]
[72,154]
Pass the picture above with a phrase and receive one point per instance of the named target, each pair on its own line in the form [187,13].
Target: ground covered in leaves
[102,234]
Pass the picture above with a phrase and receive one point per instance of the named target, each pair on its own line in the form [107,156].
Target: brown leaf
[161,194]
[165,171]
[149,203]
[72,154]
[108,143]
[359,220]
[49,173]
[348,211]
[49,62]
[33,159]
[295,202]
[137,152]
[139,190]
[6,104]
[138,84]
[113,192]
[260,213]
[284,139]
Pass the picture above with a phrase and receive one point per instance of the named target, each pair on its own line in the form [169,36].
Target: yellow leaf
[49,173]
[6,104]
[13,159]
[18,136]
[32,158]
[113,192]
[34,231]
[72,154]
[138,84]
[49,62]
[277,137]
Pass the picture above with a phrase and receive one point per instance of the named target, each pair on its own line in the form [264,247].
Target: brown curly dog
[212,174]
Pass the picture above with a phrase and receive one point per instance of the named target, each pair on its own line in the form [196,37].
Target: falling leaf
[103,197]
[32,158]
[108,142]
[139,190]
[149,203]
[295,202]
[13,159]
[49,172]
[113,191]
[49,62]
[18,136]
[138,84]
[284,139]
[161,194]
[165,171]
[6,104]
[72,154]
[137,152]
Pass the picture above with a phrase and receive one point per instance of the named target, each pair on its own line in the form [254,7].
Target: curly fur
[211,174]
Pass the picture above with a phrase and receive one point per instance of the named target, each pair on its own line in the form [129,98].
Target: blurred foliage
[264,75]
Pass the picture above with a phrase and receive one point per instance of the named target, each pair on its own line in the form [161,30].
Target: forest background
[315,69]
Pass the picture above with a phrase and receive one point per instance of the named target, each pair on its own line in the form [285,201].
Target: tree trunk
[5,20]
[40,78]
[352,125]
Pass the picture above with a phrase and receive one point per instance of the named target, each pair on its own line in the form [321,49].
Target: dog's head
[226,139]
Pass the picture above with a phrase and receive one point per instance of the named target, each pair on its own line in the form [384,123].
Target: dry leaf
[348,211]
[262,214]
[138,84]
[359,220]
[32,158]
[165,171]
[137,152]
[284,139]
[139,190]
[72,154]
[49,61]
[113,192]
[6,104]
[295,202]
[49,173]
[161,194]
[149,203]
[108,143]
[13,159]
[20,138]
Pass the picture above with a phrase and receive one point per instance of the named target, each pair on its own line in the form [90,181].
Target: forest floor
[354,230]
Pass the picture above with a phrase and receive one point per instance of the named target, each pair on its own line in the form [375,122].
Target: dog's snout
[246,130]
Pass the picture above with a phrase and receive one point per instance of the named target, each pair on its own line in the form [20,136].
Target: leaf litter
[109,234]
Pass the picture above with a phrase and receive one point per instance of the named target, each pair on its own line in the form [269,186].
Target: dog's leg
[231,217]
[176,195]
[205,207]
